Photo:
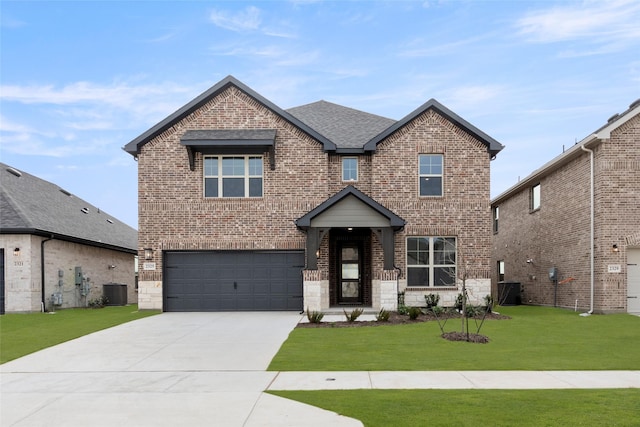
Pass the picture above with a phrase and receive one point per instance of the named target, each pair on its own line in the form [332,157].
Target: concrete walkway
[455,380]
[209,369]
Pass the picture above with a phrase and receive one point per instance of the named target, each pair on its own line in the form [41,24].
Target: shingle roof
[339,129]
[30,205]
[346,127]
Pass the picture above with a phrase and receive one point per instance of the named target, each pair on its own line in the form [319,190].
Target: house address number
[149,266]
[614,268]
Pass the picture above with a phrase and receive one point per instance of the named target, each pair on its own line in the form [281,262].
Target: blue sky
[79,80]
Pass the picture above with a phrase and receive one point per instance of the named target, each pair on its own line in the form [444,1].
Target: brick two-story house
[580,215]
[246,206]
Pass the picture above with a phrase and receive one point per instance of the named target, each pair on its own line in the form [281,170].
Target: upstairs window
[431,261]
[349,168]
[496,218]
[535,197]
[501,271]
[430,174]
[233,176]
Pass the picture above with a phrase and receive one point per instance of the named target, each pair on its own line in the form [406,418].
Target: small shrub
[403,309]
[472,310]
[414,312]
[458,304]
[432,300]
[383,315]
[437,310]
[315,316]
[400,298]
[98,302]
[351,317]
[488,303]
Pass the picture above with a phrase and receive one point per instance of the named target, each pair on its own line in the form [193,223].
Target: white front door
[633,280]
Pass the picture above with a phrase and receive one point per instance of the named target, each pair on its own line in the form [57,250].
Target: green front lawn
[21,334]
[616,407]
[535,338]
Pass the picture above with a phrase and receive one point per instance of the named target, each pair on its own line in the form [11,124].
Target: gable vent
[84,210]
[15,172]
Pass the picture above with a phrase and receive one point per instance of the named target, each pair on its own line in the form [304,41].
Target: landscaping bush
[414,312]
[383,315]
[315,316]
[353,316]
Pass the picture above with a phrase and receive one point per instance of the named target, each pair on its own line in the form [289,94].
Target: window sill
[431,288]
[534,210]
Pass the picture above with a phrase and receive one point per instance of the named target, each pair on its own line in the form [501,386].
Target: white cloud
[594,20]
[245,20]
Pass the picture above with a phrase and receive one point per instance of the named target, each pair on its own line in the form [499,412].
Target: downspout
[42,302]
[592,227]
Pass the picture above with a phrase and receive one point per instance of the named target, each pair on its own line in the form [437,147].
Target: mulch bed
[398,319]
[402,319]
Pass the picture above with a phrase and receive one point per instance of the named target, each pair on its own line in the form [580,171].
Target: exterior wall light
[615,249]
[148,253]
[16,252]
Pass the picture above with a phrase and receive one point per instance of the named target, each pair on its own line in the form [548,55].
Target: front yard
[535,338]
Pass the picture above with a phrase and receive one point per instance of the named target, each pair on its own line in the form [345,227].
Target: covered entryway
[350,269]
[633,280]
[233,280]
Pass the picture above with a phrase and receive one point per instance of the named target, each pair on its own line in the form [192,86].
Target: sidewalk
[454,380]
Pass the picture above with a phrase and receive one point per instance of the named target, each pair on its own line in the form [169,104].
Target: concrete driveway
[190,369]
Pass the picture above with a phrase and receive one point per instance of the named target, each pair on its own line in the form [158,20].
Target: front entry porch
[350,251]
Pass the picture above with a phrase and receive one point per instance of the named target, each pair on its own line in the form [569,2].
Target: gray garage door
[233,280]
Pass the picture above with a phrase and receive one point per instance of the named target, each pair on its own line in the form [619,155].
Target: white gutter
[592,227]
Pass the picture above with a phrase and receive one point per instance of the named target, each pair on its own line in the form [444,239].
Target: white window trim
[431,266]
[246,177]
[441,176]
[533,205]
[357,169]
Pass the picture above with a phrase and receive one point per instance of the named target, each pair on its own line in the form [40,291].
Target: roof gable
[350,191]
[136,144]
[30,205]
[493,146]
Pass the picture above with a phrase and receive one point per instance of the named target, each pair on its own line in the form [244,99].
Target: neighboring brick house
[545,222]
[245,206]
[56,250]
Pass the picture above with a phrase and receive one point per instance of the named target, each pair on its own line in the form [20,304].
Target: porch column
[314,238]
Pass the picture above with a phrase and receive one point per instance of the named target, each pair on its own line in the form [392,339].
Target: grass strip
[610,407]
[22,334]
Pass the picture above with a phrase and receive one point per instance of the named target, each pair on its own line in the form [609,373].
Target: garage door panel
[233,280]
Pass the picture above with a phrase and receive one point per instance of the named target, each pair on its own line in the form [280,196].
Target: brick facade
[558,234]
[174,215]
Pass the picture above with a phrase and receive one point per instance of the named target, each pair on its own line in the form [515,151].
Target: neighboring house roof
[395,221]
[346,127]
[602,133]
[30,205]
[340,129]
